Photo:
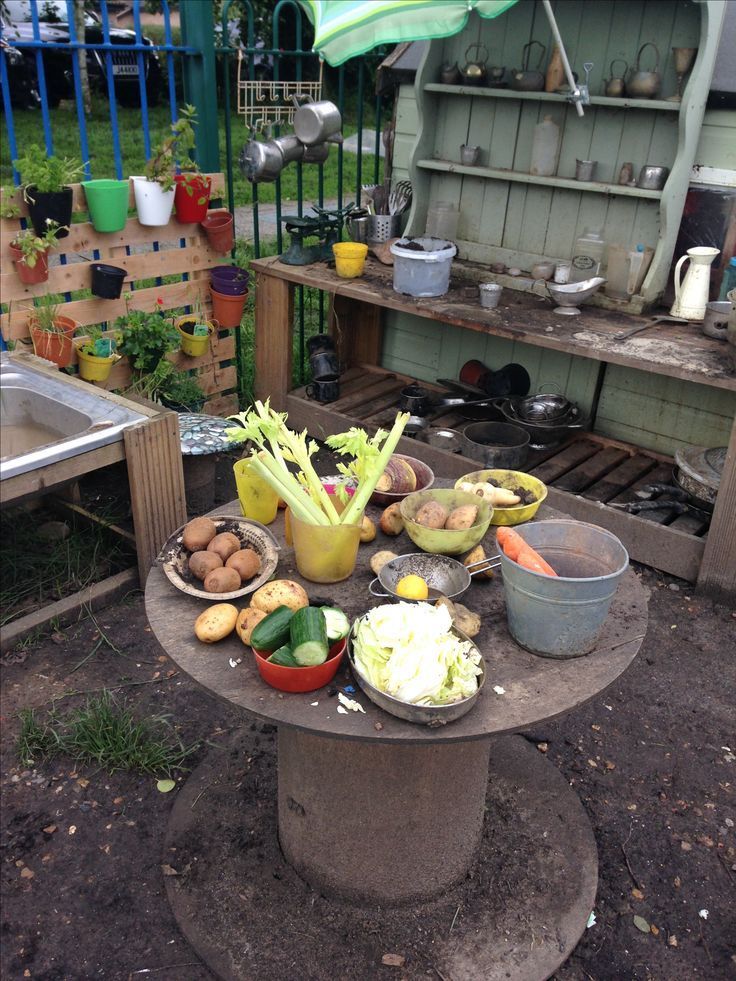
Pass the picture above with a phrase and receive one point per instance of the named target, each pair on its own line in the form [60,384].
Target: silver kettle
[261,161]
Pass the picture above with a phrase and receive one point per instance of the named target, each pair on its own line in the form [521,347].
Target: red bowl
[300,679]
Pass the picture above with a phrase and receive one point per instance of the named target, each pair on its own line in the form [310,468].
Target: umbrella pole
[575,91]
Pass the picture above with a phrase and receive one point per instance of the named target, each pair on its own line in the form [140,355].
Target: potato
[202,563]
[367,529]
[462,618]
[391,521]
[379,560]
[431,515]
[461,518]
[222,581]
[215,623]
[198,534]
[478,555]
[246,622]
[279,592]
[246,562]
[225,544]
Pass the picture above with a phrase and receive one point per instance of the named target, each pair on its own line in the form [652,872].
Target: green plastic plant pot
[107,201]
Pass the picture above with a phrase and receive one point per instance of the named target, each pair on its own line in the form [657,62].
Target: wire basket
[265,103]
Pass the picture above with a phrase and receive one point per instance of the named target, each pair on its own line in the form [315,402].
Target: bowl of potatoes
[446,522]
[514,496]
[219,557]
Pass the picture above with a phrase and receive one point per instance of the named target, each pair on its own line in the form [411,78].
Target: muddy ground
[653,759]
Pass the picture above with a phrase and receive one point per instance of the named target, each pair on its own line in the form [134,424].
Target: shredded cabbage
[407,650]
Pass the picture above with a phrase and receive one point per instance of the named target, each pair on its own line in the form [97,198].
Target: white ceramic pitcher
[692,293]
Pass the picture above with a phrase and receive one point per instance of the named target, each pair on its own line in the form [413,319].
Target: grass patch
[103,732]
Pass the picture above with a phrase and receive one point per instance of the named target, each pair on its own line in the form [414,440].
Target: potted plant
[145,336]
[154,191]
[96,353]
[107,201]
[8,206]
[171,387]
[51,332]
[30,253]
[195,330]
[45,182]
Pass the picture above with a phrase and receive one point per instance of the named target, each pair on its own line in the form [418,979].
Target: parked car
[17,25]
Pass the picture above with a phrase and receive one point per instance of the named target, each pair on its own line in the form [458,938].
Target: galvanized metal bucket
[562,616]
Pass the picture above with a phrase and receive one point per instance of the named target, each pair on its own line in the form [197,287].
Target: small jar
[562,273]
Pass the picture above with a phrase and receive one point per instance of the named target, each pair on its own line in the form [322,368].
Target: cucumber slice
[338,625]
[308,632]
[283,657]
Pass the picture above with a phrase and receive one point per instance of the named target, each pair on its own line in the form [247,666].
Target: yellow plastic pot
[195,347]
[510,479]
[258,500]
[94,369]
[349,259]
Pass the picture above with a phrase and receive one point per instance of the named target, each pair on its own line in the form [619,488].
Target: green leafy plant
[169,385]
[173,149]
[32,245]
[45,173]
[94,334]
[8,208]
[145,336]
[198,310]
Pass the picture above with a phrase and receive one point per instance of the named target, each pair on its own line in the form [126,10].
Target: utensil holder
[381,228]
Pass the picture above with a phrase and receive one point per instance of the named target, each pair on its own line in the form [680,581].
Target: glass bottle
[545,148]
[587,256]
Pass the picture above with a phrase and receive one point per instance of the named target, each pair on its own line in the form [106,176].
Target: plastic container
[626,268]
[424,272]
[107,281]
[231,280]
[220,231]
[729,279]
[228,310]
[587,256]
[442,220]
[562,616]
[349,259]
[194,344]
[92,368]
[545,148]
[325,553]
[258,500]
[154,205]
[296,680]
[192,197]
[107,201]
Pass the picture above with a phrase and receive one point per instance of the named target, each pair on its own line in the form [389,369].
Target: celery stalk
[290,490]
[366,487]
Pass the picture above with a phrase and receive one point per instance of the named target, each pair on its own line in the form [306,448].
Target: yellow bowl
[349,259]
[442,540]
[510,479]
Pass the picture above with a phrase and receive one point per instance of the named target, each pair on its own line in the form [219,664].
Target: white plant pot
[153,205]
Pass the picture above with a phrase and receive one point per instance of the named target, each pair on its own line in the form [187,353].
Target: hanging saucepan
[525,79]
[473,71]
[698,471]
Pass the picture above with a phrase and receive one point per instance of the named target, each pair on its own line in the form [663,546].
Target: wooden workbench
[670,350]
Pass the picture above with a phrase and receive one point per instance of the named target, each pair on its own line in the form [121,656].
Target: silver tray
[427,715]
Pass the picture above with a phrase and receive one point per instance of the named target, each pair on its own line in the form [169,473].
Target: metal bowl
[510,479]
[174,558]
[543,407]
[567,296]
[545,433]
[445,541]
[442,439]
[444,576]
[424,475]
[428,715]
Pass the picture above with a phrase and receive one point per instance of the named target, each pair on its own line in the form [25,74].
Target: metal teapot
[614,86]
[644,84]
[449,73]
[473,71]
[525,80]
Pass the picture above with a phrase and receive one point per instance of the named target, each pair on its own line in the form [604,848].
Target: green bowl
[442,540]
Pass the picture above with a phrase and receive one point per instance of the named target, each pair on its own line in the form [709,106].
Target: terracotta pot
[228,310]
[188,198]
[219,229]
[27,274]
[52,345]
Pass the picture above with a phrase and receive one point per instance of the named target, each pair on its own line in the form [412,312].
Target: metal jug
[525,80]
[691,294]
[473,71]
[644,84]
[261,161]
[614,86]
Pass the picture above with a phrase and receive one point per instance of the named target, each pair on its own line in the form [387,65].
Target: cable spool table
[377,812]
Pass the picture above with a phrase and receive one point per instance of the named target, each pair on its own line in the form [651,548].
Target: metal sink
[45,418]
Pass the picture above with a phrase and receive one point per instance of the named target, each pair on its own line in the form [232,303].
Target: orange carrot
[510,541]
[519,551]
[531,559]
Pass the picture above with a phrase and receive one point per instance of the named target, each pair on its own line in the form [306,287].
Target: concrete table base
[517,913]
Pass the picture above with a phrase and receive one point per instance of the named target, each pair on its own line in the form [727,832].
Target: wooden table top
[536,688]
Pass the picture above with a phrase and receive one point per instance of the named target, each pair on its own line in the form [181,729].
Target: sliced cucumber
[273,631]
[308,632]
[338,625]
[283,657]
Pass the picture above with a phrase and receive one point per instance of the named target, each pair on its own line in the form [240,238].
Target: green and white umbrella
[344,29]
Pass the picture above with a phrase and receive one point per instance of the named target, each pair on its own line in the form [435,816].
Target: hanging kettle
[473,71]
[261,161]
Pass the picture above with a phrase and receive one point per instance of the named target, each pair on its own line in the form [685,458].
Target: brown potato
[222,581]
[215,623]
[198,534]
[225,544]
[202,563]
[367,529]
[246,562]
[279,592]
[478,555]
[431,515]
[461,518]
[462,618]
[379,560]
[246,622]
[391,521]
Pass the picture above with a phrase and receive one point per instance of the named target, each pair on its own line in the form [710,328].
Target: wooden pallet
[177,252]
[584,475]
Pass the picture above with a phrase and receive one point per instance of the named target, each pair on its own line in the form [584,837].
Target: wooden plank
[358,331]
[15,489]
[620,478]
[718,571]
[352,403]
[273,348]
[590,470]
[223,405]
[156,478]
[568,458]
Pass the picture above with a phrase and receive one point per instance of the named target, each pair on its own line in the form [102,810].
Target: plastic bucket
[107,201]
[425,271]
[107,281]
[219,229]
[349,259]
[562,616]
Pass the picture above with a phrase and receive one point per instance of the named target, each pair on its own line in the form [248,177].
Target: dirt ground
[652,759]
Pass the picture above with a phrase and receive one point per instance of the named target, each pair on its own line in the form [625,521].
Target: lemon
[412,588]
